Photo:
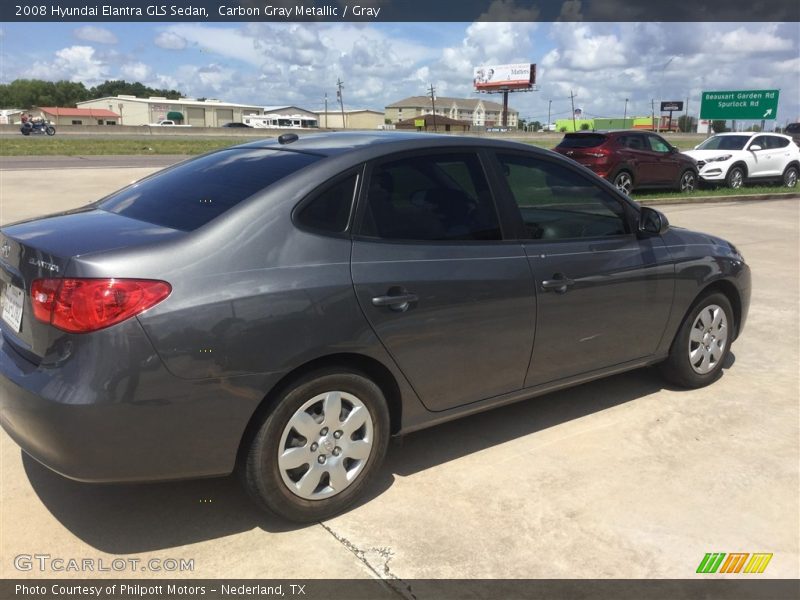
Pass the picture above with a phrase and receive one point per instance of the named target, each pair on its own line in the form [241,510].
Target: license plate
[12,306]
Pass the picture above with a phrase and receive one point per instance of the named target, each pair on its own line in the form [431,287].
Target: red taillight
[83,305]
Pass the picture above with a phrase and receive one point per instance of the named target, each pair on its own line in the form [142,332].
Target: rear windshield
[190,195]
[577,140]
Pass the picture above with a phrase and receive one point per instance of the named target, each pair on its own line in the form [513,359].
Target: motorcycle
[37,128]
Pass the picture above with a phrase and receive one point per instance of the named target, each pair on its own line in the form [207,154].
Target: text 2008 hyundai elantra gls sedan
[284,307]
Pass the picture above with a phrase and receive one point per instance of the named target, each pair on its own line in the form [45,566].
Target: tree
[584,127]
[26,93]
[687,123]
[535,126]
[718,126]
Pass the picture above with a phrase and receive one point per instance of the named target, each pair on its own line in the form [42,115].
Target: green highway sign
[741,104]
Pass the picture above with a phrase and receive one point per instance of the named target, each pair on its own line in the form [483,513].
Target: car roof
[751,133]
[379,142]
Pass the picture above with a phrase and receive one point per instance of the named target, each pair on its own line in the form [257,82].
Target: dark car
[793,130]
[631,159]
[237,124]
[284,307]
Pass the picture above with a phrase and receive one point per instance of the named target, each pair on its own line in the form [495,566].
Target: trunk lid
[42,249]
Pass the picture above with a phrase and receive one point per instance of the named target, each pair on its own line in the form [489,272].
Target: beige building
[360,118]
[478,112]
[198,113]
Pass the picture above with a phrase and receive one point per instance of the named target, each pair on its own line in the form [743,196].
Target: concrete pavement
[620,478]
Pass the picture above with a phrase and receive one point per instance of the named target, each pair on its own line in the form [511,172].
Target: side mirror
[652,222]
[755,147]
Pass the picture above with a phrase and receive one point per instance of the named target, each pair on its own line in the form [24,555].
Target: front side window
[442,197]
[724,142]
[762,141]
[657,144]
[557,203]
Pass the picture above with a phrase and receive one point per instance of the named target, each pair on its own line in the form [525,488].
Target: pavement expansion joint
[368,558]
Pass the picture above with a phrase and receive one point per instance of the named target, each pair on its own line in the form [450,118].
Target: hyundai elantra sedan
[282,308]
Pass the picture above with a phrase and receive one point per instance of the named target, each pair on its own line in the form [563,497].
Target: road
[25,163]
[620,478]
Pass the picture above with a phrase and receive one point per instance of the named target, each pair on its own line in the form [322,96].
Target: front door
[604,294]
[452,302]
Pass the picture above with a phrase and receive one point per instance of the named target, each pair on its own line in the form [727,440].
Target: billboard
[500,77]
[676,105]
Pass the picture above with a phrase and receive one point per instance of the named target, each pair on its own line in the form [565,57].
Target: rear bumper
[104,420]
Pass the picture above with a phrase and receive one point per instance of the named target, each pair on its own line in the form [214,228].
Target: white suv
[733,158]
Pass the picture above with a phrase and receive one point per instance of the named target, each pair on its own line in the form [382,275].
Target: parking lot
[620,478]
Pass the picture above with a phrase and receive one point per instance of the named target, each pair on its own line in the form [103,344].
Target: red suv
[631,159]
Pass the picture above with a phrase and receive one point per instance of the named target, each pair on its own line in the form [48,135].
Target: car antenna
[287,138]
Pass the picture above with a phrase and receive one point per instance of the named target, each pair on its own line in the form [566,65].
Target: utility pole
[549,104]
[572,100]
[339,86]
[686,123]
[652,114]
[432,91]
[625,115]
[326,110]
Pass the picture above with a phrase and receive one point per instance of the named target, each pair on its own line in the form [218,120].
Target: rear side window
[774,142]
[432,197]
[589,140]
[329,210]
[192,194]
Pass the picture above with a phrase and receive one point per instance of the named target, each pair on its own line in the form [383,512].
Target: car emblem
[570,152]
[5,249]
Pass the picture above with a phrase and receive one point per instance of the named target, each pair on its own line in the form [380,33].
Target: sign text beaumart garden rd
[742,104]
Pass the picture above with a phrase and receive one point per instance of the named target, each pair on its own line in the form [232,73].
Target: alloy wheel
[624,183]
[688,182]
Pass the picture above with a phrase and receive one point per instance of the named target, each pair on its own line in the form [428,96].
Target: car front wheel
[688,181]
[735,178]
[790,177]
[702,344]
[319,447]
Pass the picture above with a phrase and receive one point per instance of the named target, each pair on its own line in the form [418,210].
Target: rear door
[604,294]
[452,302]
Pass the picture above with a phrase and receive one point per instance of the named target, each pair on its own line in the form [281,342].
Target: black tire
[623,181]
[261,473]
[790,176]
[50,131]
[735,177]
[678,368]
[687,182]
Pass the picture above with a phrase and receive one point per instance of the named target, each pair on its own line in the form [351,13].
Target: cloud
[75,63]
[137,71]
[169,40]
[99,35]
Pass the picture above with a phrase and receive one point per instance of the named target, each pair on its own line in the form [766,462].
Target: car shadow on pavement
[131,518]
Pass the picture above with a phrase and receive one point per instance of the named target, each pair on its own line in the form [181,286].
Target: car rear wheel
[319,447]
[623,182]
[688,181]
[735,177]
[702,344]
[790,176]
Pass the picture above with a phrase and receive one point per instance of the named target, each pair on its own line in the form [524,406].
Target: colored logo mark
[735,562]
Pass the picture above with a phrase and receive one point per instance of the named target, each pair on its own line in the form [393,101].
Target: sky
[298,63]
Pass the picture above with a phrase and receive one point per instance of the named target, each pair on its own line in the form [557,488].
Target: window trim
[629,209]
[475,151]
[358,171]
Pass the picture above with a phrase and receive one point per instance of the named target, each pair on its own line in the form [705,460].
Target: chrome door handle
[559,283]
[398,302]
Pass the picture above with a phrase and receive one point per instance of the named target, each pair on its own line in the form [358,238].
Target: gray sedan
[284,307]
